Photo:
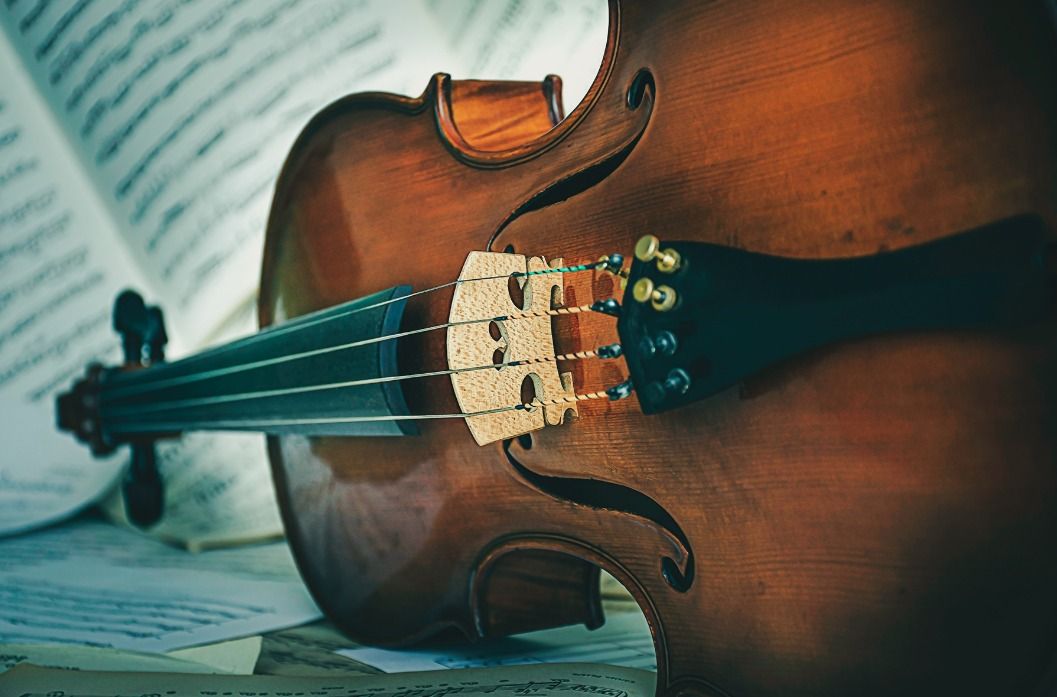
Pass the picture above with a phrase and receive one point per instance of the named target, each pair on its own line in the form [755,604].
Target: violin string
[264,424]
[115,414]
[304,323]
[151,385]
[553,312]
[581,397]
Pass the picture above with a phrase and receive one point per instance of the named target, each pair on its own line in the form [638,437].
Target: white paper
[218,486]
[211,96]
[184,112]
[160,126]
[237,657]
[61,264]
[526,40]
[624,640]
[72,657]
[538,681]
[95,584]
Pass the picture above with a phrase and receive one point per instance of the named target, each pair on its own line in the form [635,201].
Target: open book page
[624,640]
[61,264]
[71,657]
[237,657]
[96,584]
[526,40]
[540,681]
[183,113]
[218,490]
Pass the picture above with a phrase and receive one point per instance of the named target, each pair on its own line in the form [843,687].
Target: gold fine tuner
[662,298]
[648,248]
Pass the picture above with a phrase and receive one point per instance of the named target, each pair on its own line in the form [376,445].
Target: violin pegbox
[504,341]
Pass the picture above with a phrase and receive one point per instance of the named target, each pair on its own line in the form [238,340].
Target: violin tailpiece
[471,345]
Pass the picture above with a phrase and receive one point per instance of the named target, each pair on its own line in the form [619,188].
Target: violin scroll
[77,412]
[143,339]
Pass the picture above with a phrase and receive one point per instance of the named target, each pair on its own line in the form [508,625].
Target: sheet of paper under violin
[93,583]
[237,657]
[624,640]
[538,681]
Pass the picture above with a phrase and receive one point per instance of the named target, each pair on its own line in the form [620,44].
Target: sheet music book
[139,144]
[538,681]
[237,657]
[624,640]
[91,583]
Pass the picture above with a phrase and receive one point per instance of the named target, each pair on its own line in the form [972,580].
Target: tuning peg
[131,322]
[143,337]
[142,329]
[142,488]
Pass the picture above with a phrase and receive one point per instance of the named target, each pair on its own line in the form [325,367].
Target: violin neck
[321,374]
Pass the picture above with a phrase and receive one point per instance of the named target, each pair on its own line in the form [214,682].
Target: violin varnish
[473,345]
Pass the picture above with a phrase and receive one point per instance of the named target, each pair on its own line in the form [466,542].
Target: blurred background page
[143,141]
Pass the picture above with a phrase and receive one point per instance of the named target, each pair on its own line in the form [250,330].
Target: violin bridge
[471,345]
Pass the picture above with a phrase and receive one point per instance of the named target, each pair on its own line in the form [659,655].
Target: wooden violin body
[877,517]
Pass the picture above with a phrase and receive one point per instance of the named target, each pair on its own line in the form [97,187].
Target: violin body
[875,517]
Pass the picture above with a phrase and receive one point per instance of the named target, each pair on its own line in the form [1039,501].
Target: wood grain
[878,517]
[472,345]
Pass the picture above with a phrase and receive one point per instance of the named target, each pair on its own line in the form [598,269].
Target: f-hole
[603,495]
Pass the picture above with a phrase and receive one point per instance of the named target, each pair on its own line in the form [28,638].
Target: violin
[764,328]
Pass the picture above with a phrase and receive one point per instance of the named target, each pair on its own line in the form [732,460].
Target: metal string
[151,385]
[279,330]
[582,397]
[116,413]
[250,424]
